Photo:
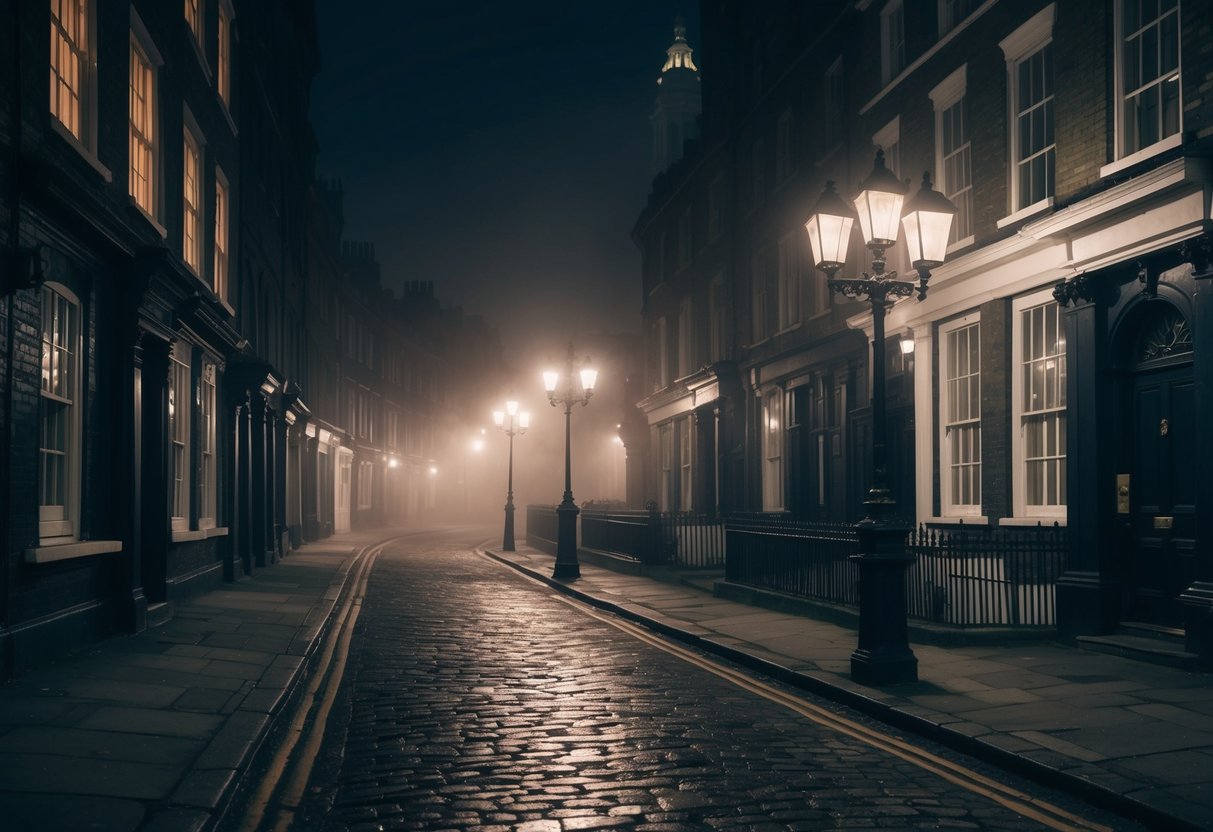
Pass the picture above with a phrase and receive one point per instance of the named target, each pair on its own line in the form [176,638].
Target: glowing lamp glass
[928,224]
[879,205]
[498,417]
[550,377]
[524,420]
[588,376]
[829,229]
[511,407]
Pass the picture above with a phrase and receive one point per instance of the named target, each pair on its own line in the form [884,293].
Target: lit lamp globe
[829,229]
[928,221]
[588,376]
[550,378]
[879,205]
[524,420]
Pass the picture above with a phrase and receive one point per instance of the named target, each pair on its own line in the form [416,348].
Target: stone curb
[1015,763]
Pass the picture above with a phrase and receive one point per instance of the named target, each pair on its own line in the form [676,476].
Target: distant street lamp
[566,513]
[884,653]
[475,446]
[512,423]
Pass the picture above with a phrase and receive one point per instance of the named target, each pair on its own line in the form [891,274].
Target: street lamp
[567,511]
[475,445]
[884,653]
[512,423]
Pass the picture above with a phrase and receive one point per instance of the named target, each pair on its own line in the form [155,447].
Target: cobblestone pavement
[477,700]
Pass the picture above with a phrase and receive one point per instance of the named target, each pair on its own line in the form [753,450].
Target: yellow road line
[1017,801]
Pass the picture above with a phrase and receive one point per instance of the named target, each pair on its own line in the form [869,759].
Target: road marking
[330,668]
[1017,801]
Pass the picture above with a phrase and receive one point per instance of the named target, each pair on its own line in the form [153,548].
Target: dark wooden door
[1162,493]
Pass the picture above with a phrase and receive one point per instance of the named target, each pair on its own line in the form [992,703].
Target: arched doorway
[1160,511]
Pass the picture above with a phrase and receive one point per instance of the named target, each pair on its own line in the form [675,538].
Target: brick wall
[996,474]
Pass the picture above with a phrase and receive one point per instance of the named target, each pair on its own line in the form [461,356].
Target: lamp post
[567,511]
[884,653]
[511,423]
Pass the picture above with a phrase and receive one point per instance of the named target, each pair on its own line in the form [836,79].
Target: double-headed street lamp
[512,423]
[884,653]
[566,512]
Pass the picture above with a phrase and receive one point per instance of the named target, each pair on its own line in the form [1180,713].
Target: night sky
[498,149]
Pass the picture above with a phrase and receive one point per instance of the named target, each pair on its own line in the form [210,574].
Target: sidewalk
[155,728]
[1132,736]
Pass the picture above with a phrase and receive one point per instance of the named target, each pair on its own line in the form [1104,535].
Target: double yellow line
[287,776]
[1017,801]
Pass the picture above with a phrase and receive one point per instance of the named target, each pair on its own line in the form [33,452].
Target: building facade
[1056,368]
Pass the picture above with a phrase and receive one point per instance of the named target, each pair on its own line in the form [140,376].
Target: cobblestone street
[474,699]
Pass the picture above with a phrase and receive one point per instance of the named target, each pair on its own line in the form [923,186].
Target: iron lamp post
[567,511]
[511,423]
[883,654]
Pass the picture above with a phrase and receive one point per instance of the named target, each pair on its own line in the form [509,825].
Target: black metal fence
[629,534]
[968,577]
[681,538]
[693,541]
[986,576]
[794,556]
[541,528]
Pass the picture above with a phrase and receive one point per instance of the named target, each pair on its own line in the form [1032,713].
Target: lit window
[366,483]
[686,443]
[1150,75]
[789,281]
[892,41]
[1040,405]
[207,418]
[142,183]
[1029,54]
[59,437]
[224,75]
[953,151]
[191,224]
[961,416]
[179,402]
[222,209]
[193,16]
[772,451]
[69,63]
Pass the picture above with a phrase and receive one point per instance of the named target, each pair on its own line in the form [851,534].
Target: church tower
[677,107]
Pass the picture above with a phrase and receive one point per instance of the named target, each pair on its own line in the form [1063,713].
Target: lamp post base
[566,541]
[883,655]
[507,539]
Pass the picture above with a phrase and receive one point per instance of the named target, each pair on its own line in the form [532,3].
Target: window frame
[686,462]
[686,337]
[85,91]
[1125,157]
[221,245]
[223,55]
[892,50]
[192,210]
[1019,416]
[142,47]
[949,94]
[208,418]
[180,407]
[949,505]
[791,288]
[772,408]
[1022,45]
[60,523]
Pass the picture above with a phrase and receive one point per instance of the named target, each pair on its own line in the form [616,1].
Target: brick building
[1057,360]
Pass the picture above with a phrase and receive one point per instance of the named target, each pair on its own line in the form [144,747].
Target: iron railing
[681,538]
[693,541]
[809,559]
[541,528]
[629,534]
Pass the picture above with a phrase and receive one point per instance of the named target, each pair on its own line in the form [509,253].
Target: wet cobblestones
[476,700]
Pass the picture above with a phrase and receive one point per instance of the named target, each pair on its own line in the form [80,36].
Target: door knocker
[1163,427]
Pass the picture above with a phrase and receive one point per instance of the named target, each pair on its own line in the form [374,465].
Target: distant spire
[678,56]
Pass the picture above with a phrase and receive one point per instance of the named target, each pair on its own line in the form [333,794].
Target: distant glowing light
[433,470]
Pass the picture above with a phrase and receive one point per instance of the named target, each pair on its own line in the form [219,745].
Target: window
[685,444]
[686,338]
[719,309]
[892,41]
[1029,54]
[783,146]
[663,353]
[772,451]
[1040,406]
[207,428]
[193,16]
[666,445]
[59,435]
[191,217]
[70,78]
[833,114]
[953,12]
[1149,77]
[142,183]
[953,157]
[715,206]
[789,281]
[222,209]
[366,485]
[758,301]
[961,416]
[224,76]
[684,238]
[179,403]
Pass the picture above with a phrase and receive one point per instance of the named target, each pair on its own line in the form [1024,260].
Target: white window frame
[1125,157]
[772,449]
[208,455]
[180,405]
[143,129]
[72,93]
[948,94]
[1058,410]
[948,422]
[221,266]
[790,281]
[665,445]
[686,461]
[1023,44]
[60,521]
[366,485]
[191,196]
[223,55]
[892,41]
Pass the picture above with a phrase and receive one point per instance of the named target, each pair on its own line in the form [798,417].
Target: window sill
[788,328]
[1044,521]
[956,520]
[1172,141]
[216,531]
[74,549]
[1023,213]
[160,229]
[84,152]
[186,535]
[959,244]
